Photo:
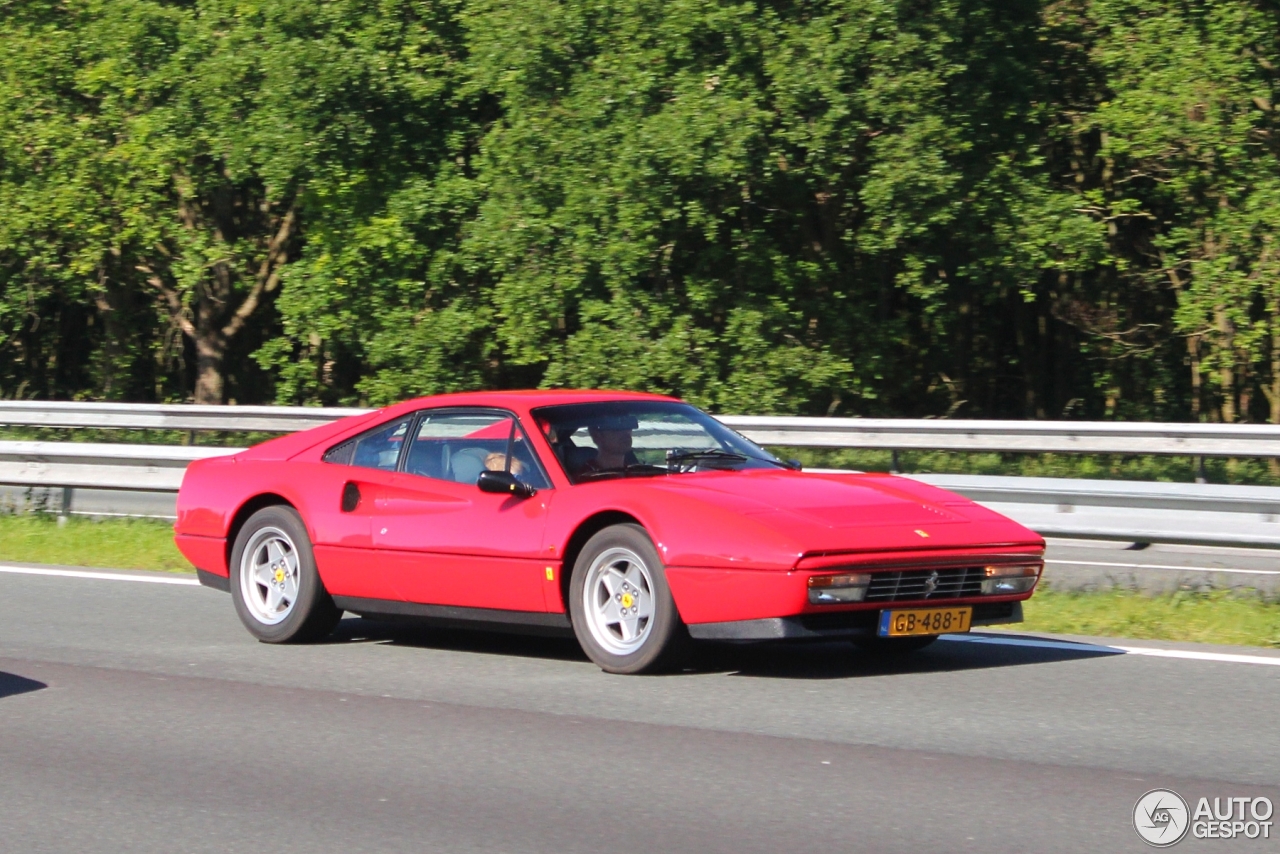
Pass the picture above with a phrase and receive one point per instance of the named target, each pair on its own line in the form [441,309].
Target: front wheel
[620,604]
[277,592]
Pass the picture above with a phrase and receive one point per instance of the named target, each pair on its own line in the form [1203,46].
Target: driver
[612,437]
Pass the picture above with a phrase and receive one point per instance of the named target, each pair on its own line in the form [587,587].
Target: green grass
[116,543]
[1222,617]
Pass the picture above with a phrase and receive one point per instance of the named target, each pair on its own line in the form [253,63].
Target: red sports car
[632,521]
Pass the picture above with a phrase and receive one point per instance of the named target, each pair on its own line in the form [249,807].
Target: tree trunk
[1271,390]
[112,334]
[210,352]
[1193,353]
[1227,370]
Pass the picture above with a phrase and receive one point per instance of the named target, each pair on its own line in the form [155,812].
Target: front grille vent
[949,583]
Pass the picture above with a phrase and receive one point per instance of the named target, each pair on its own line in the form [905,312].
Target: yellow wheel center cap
[628,600]
[279,575]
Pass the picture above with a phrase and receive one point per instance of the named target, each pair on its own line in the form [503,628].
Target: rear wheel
[277,592]
[620,604]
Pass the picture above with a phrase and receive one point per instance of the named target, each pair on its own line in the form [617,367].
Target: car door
[350,477]
[448,543]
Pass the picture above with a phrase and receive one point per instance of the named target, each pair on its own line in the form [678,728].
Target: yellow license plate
[924,621]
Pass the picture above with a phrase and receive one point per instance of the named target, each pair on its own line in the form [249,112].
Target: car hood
[820,512]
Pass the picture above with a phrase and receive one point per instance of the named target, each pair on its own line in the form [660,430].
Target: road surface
[140,716]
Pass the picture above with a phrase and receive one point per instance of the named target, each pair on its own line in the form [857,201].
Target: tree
[1188,181]
[769,207]
[1032,208]
[194,141]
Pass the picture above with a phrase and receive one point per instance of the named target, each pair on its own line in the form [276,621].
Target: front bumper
[835,624]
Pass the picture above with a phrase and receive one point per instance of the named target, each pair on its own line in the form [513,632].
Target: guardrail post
[1200,475]
[894,466]
[64,509]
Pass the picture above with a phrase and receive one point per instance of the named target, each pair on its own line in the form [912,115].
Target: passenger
[497,461]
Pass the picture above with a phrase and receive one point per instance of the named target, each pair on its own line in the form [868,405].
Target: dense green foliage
[1020,209]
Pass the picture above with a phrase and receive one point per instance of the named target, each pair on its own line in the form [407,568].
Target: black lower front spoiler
[842,624]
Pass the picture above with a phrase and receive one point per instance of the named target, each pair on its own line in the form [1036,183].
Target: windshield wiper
[678,458]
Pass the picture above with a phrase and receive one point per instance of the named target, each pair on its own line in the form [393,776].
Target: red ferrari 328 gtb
[632,521]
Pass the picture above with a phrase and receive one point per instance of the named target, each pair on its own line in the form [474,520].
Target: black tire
[310,614]
[661,639]
[895,646]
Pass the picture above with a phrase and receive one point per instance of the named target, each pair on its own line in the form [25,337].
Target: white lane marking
[1187,654]
[1165,566]
[102,576]
[1201,656]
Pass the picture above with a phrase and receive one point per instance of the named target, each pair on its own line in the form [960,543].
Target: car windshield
[635,438]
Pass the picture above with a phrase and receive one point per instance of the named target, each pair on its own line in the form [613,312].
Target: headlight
[835,589]
[1014,578]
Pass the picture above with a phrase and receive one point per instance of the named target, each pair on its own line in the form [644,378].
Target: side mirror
[504,482]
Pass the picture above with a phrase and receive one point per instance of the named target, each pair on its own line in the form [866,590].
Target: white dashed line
[100,576]
[1186,654]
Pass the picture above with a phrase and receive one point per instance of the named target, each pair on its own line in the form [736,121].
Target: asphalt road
[141,717]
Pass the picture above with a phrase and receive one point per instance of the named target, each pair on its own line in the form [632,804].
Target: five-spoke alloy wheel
[269,575]
[620,605]
[274,584]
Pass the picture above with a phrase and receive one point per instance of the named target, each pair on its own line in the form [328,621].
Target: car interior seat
[574,457]
[465,464]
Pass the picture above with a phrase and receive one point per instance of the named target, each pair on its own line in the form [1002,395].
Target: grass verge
[1223,617]
[116,543]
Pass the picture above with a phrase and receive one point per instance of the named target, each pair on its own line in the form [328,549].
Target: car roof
[521,400]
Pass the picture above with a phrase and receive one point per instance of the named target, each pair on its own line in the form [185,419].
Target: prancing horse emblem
[931,583]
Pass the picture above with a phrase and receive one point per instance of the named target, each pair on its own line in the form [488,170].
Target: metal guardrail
[1039,437]
[143,479]
[1072,437]
[176,416]
[155,468]
[1128,511]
